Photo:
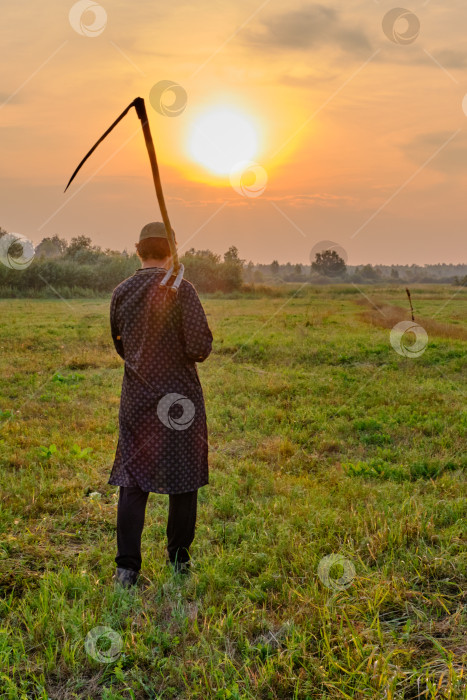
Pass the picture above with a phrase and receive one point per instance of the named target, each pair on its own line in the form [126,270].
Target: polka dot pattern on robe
[163,440]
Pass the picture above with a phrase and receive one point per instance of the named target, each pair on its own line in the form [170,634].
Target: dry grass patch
[388,315]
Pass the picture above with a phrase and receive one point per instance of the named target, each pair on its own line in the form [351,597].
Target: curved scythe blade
[138,104]
[123,114]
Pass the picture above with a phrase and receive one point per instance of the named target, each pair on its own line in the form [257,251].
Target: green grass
[323,440]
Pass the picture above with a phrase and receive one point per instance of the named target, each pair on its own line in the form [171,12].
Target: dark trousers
[130,522]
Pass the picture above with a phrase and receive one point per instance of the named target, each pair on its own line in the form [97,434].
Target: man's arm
[196,332]
[114,325]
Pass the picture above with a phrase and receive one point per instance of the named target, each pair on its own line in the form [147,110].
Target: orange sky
[363,139]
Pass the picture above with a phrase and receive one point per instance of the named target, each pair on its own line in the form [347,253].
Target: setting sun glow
[220,138]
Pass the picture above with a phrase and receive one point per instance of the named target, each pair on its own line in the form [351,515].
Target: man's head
[153,244]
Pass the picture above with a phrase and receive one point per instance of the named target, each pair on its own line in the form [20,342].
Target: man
[163,441]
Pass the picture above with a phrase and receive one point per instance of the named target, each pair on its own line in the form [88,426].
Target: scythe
[177,268]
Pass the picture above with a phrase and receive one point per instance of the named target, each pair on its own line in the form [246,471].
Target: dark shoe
[179,567]
[126,577]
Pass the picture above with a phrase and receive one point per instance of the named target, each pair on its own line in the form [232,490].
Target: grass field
[323,441]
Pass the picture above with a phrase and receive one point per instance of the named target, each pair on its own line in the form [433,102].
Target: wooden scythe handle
[142,114]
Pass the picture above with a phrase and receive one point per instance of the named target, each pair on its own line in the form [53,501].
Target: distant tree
[109,251]
[298,269]
[82,251]
[208,254]
[258,276]
[79,243]
[232,269]
[206,271]
[394,273]
[15,250]
[232,256]
[368,272]
[52,247]
[249,272]
[329,263]
[275,267]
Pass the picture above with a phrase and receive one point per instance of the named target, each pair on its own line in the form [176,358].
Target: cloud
[452,159]
[417,55]
[308,80]
[323,199]
[9,98]
[311,27]
[295,200]
[450,58]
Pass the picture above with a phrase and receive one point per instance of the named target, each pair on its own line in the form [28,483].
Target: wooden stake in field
[177,269]
[410,301]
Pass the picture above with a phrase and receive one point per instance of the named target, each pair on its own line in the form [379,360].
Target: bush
[208,274]
[89,271]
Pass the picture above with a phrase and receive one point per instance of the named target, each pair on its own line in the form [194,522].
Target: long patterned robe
[163,440]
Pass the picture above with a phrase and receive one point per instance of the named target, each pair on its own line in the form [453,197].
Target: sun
[221,138]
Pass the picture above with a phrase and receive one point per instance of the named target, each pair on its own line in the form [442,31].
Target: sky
[277,125]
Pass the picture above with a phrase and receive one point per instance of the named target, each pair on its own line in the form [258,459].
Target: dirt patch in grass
[385,315]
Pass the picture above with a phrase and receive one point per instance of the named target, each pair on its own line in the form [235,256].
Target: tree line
[329,267]
[79,268]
